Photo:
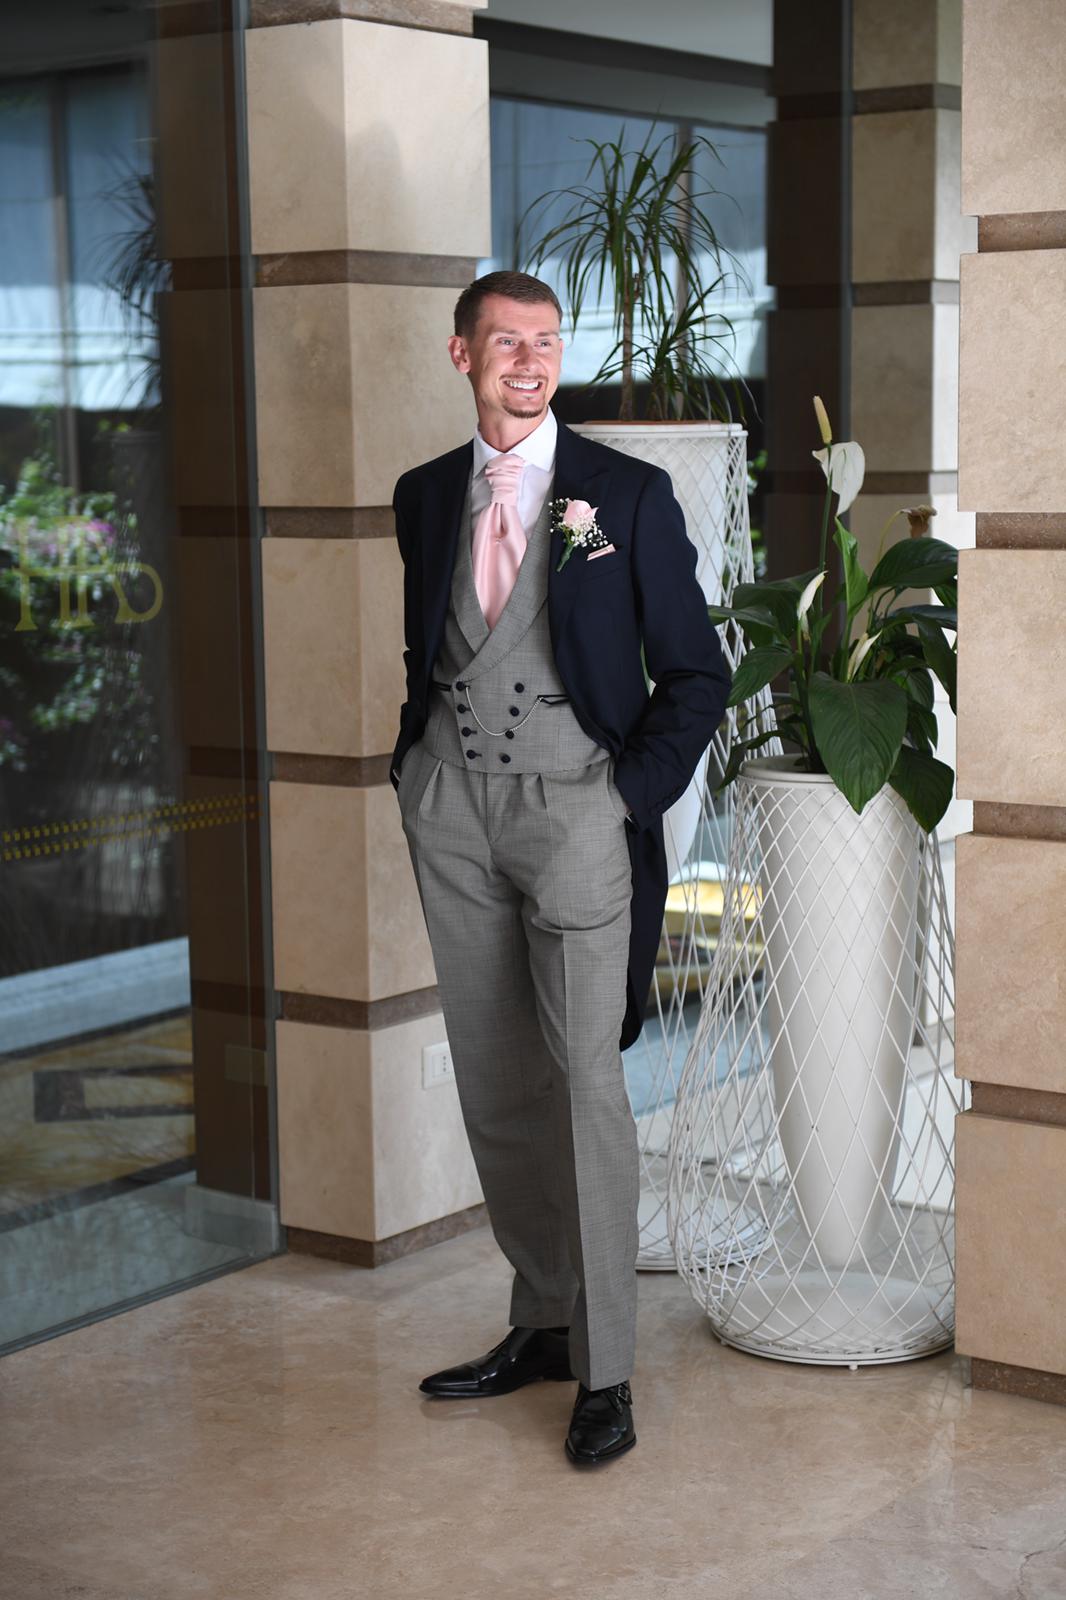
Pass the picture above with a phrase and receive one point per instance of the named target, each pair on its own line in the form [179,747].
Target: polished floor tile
[261,1437]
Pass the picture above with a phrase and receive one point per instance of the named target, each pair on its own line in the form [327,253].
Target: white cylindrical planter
[707,463]
[841,895]
[810,1171]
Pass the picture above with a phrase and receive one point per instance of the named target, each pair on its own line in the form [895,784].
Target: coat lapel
[440,543]
[577,477]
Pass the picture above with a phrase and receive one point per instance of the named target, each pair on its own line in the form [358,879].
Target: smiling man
[532,771]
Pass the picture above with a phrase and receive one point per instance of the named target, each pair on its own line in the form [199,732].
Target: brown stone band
[909,97]
[916,292]
[368,1016]
[335,772]
[302,267]
[1021,530]
[375,1252]
[1019,822]
[434,15]
[1019,1105]
[1029,1382]
[330,522]
[1022,230]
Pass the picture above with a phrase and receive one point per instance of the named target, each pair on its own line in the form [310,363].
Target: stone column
[1011,887]
[369,180]
[907,233]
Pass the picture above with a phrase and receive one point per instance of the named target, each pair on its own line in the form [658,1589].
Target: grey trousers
[525,885]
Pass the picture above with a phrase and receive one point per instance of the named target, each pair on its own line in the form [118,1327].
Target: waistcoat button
[514,711]
[518,688]
[509,734]
[505,758]
[472,755]
[467,733]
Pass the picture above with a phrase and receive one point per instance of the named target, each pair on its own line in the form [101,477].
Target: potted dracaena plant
[635,239]
[840,828]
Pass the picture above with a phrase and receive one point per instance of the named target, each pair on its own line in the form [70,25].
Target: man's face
[513,359]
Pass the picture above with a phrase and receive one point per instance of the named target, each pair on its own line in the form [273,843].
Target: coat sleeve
[684,657]
[412,623]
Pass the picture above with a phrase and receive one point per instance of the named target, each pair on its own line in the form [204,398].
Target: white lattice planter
[811,1182]
[707,463]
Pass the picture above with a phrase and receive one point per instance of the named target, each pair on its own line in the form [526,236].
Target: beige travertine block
[1010,920]
[1012,676]
[347,918]
[1010,1241]
[904,386]
[1012,375]
[363,136]
[908,42]
[364,1151]
[905,197]
[1013,106]
[333,643]
[353,385]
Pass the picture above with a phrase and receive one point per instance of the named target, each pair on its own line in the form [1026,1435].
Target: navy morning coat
[599,613]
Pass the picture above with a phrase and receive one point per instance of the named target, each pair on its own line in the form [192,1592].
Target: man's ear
[458,352]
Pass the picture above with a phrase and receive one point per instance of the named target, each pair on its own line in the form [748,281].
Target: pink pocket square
[604,551]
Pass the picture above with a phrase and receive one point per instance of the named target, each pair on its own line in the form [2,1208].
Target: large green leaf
[779,598]
[945,616]
[759,625]
[922,726]
[756,669]
[925,783]
[856,584]
[859,728]
[941,657]
[915,564]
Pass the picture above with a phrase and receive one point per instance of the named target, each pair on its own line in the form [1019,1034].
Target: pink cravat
[499,537]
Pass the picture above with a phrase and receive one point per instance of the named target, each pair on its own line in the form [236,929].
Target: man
[532,770]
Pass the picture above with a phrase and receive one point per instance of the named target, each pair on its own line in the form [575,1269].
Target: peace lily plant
[863,713]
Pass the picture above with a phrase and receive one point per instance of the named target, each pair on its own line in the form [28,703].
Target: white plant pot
[840,909]
[707,465]
[695,455]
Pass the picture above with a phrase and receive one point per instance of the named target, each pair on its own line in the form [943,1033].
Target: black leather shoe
[602,1424]
[522,1356]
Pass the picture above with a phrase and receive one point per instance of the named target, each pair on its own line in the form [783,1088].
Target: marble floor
[260,1437]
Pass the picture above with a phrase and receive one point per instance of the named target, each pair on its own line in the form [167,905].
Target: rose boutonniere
[576,519]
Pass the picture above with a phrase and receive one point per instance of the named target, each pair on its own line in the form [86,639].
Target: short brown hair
[513,285]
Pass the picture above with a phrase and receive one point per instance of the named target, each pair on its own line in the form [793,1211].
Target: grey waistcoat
[495,722]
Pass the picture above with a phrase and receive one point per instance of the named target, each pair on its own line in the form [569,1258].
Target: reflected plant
[61,669]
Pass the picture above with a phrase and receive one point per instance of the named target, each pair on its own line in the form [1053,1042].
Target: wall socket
[436,1065]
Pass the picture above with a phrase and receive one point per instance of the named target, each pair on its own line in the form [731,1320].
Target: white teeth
[515,383]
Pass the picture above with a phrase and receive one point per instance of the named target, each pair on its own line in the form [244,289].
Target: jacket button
[518,688]
[505,758]
[461,709]
[509,734]
[467,733]
[460,683]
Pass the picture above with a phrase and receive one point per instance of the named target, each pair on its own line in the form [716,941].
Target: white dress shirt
[537,449]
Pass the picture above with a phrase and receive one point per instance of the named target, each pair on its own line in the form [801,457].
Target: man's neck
[503,433]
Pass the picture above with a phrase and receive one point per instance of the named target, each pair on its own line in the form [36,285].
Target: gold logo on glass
[75,567]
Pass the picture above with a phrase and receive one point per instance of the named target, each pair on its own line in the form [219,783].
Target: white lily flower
[846,464]
[804,601]
[861,648]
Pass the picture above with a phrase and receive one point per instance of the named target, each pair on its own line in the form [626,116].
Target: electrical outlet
[437,1065]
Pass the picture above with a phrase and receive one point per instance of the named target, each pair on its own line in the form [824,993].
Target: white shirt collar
[538,447]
